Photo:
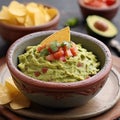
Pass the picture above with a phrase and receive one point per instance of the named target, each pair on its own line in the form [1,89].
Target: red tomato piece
[97,3]
[49,49]
[94,3]
[59,54]
[110,2]
[44,70]
[68,53]
[36,73]
[63,59]
[50,57]
[73,51]
[40,48]
[64,48]
[88,1]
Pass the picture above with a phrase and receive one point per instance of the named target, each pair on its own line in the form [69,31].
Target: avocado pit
[101,25]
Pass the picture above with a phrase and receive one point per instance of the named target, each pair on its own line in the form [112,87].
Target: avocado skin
[99,37]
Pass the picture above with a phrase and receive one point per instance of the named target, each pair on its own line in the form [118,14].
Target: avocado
[101,28]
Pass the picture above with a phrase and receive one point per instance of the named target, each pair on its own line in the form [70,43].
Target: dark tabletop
[68,9]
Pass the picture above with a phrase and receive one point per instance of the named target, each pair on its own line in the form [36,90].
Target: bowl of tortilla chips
[48,69]
[18,19]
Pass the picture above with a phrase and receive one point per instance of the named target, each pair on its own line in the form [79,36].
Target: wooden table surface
[112,114]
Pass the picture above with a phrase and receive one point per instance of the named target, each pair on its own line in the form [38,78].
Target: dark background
[68,9]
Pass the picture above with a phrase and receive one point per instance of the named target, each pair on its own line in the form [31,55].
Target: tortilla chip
[7,93]
[31,14]
[59,36]
[52,12]
[19,102]
[17,8]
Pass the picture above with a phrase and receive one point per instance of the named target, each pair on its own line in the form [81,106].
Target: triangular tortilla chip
[20,101]
[7,93]
[59,36]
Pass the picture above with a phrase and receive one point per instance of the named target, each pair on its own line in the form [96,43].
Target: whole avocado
[101,28]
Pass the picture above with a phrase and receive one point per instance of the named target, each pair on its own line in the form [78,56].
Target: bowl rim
[116,5]
[54,85]
[17,27]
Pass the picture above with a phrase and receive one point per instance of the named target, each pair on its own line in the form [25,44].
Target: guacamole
[71,66]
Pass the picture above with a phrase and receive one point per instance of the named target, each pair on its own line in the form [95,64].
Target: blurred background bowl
[60,95]
[107,12]
[11,33]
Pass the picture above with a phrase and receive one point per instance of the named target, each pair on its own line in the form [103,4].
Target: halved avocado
[101,28]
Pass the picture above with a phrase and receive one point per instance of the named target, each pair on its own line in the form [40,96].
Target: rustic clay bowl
[108,13]
[59,95]
[11,32]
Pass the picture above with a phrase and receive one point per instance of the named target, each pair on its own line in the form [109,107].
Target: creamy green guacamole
[76,68]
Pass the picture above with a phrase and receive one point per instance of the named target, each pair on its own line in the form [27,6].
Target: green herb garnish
[71,22]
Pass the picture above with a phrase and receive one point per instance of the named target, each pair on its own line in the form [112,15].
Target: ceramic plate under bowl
[102,102]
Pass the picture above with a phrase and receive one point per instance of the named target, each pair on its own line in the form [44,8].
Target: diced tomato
[63,59]
[97,3]
[36,73]
[110,2]
[64,48]
[54,51]
[49,49]
[88,1]
[68,53]
[44,70]
[94,3]
[73,51]
[50,57]
[59,54]
[40,48]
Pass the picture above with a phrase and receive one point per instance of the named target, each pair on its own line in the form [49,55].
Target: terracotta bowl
[59,95]
[11,33]
[108,12]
